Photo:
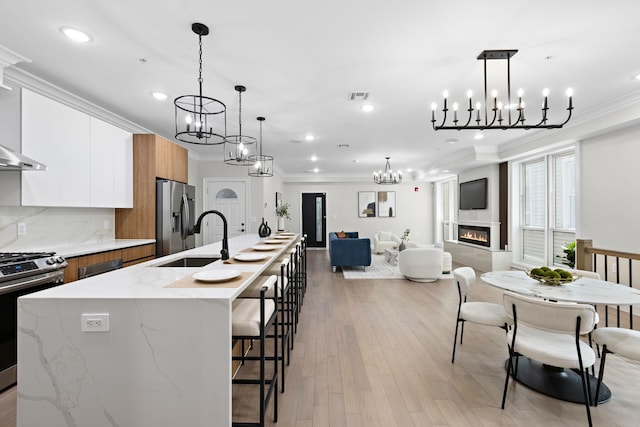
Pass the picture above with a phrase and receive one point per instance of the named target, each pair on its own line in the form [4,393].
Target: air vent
[343,146]
[358,96]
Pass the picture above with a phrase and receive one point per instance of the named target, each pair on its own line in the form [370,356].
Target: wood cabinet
[129,256]
[153,157]
[89,161]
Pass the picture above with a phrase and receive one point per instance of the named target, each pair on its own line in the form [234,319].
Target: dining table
[564,384]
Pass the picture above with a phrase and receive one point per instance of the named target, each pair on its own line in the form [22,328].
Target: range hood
[10,160]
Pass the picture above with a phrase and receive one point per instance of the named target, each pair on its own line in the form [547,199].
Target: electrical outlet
[95,322]
[22,228]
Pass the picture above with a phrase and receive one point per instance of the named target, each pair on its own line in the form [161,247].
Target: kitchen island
[164,361]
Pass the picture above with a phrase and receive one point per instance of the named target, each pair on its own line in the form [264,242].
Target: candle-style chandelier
[263,164]
[196,114]
[236,147]
[388,176]
[494,108]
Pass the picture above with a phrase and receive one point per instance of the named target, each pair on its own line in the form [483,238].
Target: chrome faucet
[225,242]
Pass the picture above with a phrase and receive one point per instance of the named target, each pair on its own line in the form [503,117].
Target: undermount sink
[190,261]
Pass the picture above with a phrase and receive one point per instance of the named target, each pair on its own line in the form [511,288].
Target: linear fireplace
[474,234]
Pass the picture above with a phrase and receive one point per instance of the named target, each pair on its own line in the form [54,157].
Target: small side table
[391,256]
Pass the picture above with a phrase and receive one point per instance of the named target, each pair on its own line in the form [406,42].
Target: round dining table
[564,384]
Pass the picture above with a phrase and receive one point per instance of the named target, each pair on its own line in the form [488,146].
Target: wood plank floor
[378,353]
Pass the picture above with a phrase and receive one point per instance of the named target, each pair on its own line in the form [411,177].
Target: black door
[314,219]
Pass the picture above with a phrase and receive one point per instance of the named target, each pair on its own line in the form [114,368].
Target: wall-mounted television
[473,194]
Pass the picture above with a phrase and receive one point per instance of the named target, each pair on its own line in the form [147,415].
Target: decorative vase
[280,224]
[402,247]
[268,229]
[263,229]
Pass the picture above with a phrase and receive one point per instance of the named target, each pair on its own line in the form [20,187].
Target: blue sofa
[349,252]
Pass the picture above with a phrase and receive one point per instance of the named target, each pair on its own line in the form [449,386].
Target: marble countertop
[144,280]
[80,249]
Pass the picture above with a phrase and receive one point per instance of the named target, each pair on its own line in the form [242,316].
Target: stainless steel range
[21,274]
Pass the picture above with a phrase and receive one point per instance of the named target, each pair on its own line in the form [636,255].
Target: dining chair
[549,333]
[621,341]
[482,313]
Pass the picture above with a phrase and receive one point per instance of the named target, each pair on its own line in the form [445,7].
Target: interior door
[314,219]
[228,197]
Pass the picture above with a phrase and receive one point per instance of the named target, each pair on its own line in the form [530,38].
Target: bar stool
[282,290]
[250,320]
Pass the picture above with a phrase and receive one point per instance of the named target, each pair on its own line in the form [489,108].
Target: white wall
[608,204]
[413,208]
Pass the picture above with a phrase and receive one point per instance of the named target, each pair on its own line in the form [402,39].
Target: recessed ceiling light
[309,137]
[451,140]
[314,158]
[367,108]
[316,170]
[159,96]
[478,136]
[75,35]
[355,161]
[637,77]
[409,170]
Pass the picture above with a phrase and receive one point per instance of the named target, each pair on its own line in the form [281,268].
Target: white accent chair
[549,332]
[385,240]
[482,313]
[421,264]
[623,342]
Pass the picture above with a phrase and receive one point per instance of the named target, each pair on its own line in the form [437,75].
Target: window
[547,207]
[447,214]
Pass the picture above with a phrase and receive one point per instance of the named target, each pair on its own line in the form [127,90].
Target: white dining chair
[549,332]
[482,313]
[621,341]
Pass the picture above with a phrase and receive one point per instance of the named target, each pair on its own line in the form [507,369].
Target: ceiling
[300,60]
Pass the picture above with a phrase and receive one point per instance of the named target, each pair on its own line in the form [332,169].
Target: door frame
[247,201]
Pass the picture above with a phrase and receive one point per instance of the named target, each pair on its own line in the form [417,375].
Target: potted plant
[282,212]
[404,238]
[569,257]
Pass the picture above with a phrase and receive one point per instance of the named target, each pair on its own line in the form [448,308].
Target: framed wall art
[366,204]
[386,204]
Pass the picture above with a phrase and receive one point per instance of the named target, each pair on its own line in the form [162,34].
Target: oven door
[9,293]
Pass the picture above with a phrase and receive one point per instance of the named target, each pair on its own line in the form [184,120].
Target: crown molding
[35,84]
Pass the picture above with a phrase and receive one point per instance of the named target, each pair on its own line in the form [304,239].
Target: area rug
[379,269]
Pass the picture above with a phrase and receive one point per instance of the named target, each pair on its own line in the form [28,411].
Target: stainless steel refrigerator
[175,211]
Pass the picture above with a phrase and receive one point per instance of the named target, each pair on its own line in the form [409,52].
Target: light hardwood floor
[378,353]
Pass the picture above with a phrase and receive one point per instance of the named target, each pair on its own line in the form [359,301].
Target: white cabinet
[89,161]
[111,166]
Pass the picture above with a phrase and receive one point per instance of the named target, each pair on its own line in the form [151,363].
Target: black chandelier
[263,164]
[388,176]
[497,121]
[196,114]
[236,147]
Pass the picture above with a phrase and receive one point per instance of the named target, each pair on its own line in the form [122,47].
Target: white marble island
[165,361]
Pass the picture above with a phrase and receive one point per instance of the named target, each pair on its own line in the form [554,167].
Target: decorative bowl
[553,281]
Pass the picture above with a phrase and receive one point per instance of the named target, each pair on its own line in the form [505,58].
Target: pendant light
[388,176]
[263,166]
[236,147]
[196,114]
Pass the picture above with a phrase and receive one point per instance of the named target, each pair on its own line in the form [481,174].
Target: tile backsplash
[47,228]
